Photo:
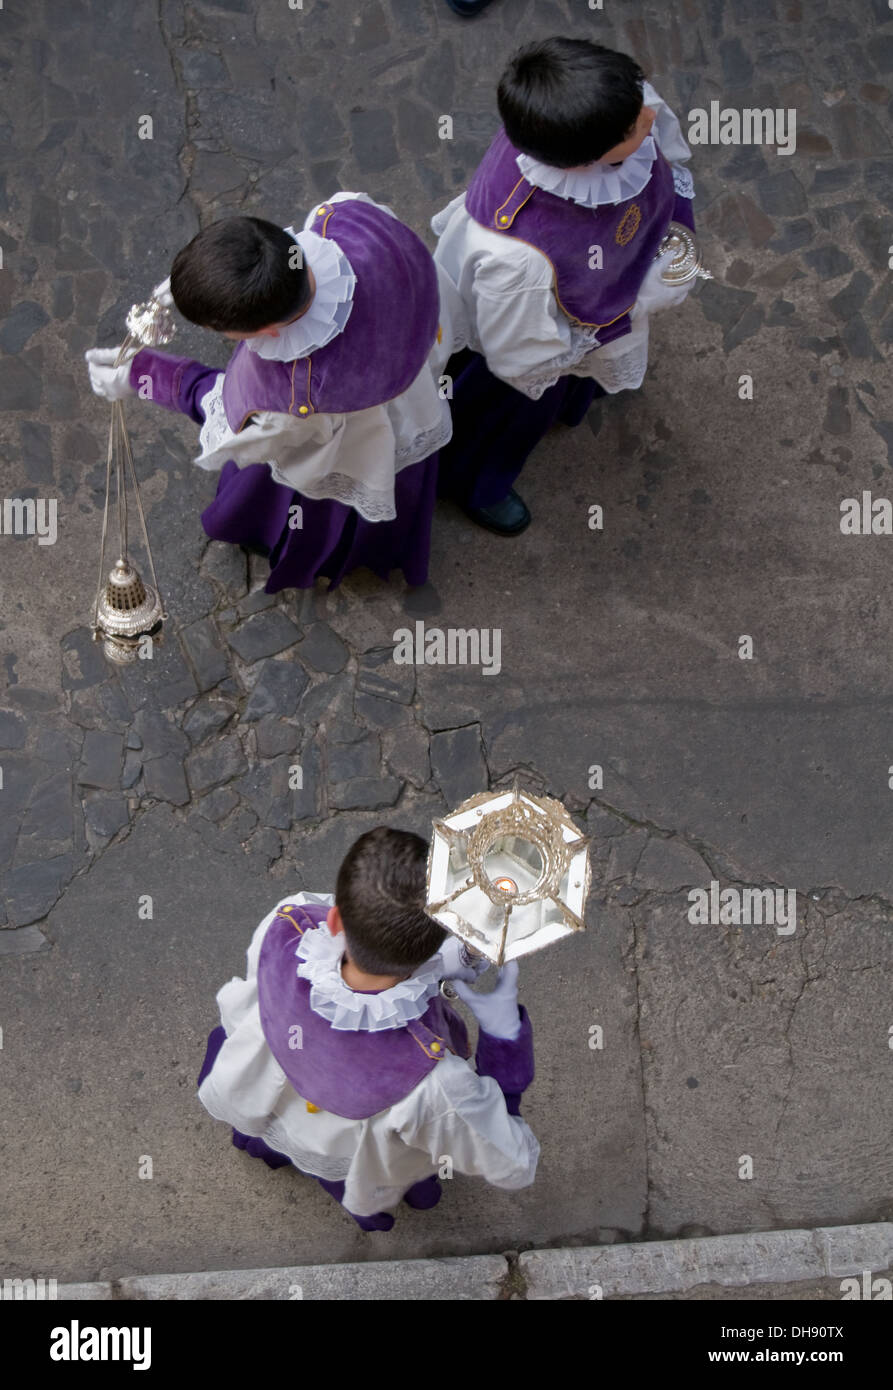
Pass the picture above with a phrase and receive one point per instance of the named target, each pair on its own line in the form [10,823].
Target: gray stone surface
[457,762]
[32,889]
[204,650]
[365,793]
[100,759]
[165,779]
[348,761]
[226,564]
[83,663]
[323,650]
[620,648]
[20,324]
[13,729]
[106,815]
[277,691]
[133,766]
[22,941]
[378,675]
[207,716]
[265,634]
[275,736]
[217,763]
[157,735]
[670,864]
[163,682]
[49,817]
[255,602]
[382,714]
[217,805]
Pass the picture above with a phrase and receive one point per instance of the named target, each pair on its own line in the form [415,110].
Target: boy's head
[241,276]
[380,894]
[569,102]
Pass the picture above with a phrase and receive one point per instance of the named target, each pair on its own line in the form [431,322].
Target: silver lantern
[508,873]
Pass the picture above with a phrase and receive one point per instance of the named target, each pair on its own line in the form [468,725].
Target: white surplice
[351,458]
[506,286]
[451,1111]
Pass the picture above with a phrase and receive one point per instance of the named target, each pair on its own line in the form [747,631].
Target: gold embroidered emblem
[629,225]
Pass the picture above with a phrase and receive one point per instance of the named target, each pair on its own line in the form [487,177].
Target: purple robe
[377,357]
[495,427]
[392,327]
[628,233]
[358,1074]
[354,1074]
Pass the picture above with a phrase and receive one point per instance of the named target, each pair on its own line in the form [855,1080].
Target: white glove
[162,292]
[655,294]
[497,1013]
[107,380]
[454,967]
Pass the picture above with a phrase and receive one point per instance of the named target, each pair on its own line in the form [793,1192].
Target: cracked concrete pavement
[619,648]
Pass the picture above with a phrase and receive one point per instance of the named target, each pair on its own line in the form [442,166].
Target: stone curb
[673,1266]
[657,1267]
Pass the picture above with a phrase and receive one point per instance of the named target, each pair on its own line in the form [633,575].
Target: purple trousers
[421,1195]
[496,428]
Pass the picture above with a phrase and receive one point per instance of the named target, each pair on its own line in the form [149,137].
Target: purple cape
[567,234]
[351,1074]
[391,329]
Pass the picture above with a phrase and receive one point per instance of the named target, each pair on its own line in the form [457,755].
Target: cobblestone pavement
[171,778]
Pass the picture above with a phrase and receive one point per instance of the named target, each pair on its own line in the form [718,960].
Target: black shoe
[467,8]
[506,518]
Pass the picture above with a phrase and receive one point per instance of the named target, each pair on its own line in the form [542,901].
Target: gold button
[303,410]
[320,211]
[503,219]
[435,1047]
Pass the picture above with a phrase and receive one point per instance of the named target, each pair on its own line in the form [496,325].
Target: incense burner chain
[126,610]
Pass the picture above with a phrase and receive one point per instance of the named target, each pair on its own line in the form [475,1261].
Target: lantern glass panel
[513,858]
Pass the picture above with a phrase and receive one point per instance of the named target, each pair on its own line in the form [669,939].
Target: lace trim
[215,428]
[330,307]
[535,382]
[624,373]
[352,1012]
[598,184]
[683,182]
[340,487]
[422,445]
[277,1136]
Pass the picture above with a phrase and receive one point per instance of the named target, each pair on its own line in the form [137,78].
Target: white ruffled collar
[352,1012]
[597,184]
[329,311]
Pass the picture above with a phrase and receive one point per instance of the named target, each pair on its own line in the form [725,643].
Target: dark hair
[239,275]
[380,893]
[568,101]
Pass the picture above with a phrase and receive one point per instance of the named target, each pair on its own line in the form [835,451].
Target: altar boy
[328,418]
[552,250]
[338,1054]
